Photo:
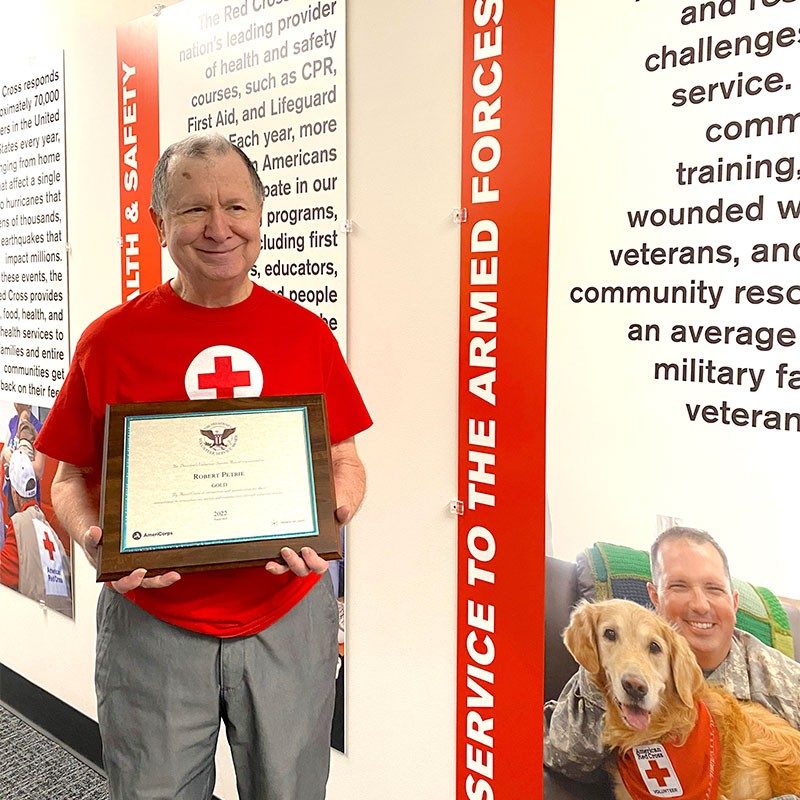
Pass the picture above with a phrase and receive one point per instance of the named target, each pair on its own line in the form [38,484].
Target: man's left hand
[307,560]
[303,563]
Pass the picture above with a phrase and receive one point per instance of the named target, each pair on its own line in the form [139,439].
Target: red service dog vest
[666,770]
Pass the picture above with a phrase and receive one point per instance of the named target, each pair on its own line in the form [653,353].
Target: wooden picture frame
[176,494]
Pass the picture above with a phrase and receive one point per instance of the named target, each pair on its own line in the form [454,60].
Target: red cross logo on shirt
[224,379]
[223,371]
[658,774]
[49,546]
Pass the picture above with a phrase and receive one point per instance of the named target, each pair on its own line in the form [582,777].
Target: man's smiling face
[211,224]
[694,593]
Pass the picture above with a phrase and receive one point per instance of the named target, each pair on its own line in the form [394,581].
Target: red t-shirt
[159,347]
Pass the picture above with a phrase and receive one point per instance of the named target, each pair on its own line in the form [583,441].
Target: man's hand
[90,542]
[343,515]
[306,561]
[349,483]
[349,479]
[303,563]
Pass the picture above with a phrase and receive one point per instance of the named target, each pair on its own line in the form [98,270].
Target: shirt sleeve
[774,679]
[72,431]
[347,414]
[9,559]
[572,731]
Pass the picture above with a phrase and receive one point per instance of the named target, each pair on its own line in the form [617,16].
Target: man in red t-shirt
[255,647]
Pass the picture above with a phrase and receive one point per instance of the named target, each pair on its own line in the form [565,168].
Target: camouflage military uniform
[751,671]
[755,672]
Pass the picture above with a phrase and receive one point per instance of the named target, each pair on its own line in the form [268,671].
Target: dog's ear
[580,638]
[686,674]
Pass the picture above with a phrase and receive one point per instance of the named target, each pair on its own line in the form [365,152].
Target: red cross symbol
[658,774]
[49,546]
[223,379]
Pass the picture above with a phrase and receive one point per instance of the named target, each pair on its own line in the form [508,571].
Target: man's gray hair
[199,145]
[693,535]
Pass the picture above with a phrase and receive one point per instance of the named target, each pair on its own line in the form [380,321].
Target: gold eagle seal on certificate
[218,438]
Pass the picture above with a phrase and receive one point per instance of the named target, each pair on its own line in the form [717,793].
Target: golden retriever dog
[651,682]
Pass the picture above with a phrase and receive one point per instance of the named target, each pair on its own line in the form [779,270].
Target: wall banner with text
[670,259]
[270,77]
[34,315]
[674,363]
[501,454]
[35,550]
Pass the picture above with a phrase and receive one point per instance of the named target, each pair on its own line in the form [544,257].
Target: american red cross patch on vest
[690,771]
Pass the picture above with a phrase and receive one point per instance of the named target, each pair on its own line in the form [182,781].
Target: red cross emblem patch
[48,545]
[657,771]
[223,371]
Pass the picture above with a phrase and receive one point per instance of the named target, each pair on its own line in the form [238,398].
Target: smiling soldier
[691,587]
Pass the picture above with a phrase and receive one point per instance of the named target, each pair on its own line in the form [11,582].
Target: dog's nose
[634,687]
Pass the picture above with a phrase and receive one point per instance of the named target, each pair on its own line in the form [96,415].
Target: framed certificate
[209,484]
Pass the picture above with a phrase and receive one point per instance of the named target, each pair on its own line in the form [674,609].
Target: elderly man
[253,646]
[692,588]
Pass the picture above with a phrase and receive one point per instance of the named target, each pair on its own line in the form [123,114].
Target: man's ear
[653,593]
[159,223]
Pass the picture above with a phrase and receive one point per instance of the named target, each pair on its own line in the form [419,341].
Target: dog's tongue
[636,717]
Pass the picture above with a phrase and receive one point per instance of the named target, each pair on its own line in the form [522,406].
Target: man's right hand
[90,543]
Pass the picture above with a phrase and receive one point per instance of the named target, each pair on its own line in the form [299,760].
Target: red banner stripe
[507,112]
[139,148]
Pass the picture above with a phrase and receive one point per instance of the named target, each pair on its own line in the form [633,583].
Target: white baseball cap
[21,475]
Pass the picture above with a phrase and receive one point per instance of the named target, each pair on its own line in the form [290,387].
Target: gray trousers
[162,690]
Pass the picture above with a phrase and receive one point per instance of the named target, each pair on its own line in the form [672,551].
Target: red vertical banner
[137,94]
[506,144]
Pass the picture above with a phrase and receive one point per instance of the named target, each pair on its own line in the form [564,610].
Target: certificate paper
[213,484]
[198,479]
